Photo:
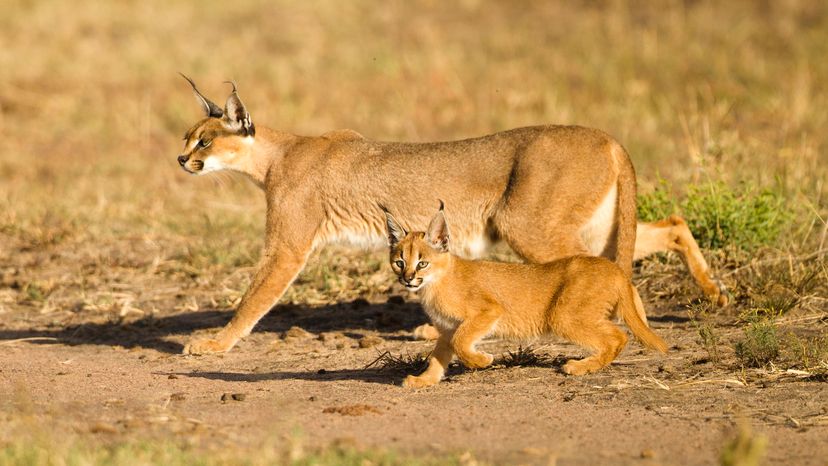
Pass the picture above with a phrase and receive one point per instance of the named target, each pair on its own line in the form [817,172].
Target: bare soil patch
[305,371]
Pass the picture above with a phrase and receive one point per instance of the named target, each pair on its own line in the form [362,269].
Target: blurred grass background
[92,109]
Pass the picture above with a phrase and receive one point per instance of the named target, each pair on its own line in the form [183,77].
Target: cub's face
[415,261]
[210,146]
[418,258]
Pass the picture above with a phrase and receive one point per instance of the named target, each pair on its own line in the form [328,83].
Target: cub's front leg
[437,364]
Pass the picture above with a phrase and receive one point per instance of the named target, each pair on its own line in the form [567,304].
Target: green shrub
[658,204]
[743,218]
[760,345]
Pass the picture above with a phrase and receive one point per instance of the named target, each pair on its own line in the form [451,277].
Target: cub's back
[522,285]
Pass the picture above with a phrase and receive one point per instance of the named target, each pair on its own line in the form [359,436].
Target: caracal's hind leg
[545,237]
[672,234]
[549,236]
[541,223]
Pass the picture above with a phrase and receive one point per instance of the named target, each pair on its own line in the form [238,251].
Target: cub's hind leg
[606,339]
[586,322]
[469,332]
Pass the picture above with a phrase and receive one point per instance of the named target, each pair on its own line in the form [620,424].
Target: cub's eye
[400,264]
[204,144]
[421,265]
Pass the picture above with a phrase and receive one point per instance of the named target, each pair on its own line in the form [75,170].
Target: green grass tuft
[699,314]
[744,449]
[761,344]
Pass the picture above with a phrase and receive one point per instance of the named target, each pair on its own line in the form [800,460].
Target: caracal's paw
[476,360]
[582,367]
[205,346]
[723,297]
[413,381]
[426,332]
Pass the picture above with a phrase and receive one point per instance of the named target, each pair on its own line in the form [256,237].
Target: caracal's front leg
[468,334]
[437,365]
[277,270]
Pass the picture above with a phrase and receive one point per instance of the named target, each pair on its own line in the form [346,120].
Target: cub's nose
[182,159]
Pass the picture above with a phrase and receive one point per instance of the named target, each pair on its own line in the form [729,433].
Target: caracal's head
[419,257]
[222,140]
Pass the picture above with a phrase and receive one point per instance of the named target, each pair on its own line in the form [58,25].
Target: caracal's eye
[421,265]
[204,144]
[400,264]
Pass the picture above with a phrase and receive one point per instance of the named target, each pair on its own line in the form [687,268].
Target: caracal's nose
[182,159]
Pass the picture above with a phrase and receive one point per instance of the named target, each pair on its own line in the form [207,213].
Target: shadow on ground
[151,332]
[374,373]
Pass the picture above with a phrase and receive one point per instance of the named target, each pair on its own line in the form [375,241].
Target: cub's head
[222,140]
[418,258]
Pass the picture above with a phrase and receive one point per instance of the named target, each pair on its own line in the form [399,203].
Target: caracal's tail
[625,211]
[629,310]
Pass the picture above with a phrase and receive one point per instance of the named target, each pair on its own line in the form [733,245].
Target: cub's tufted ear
[210,109]
[236,117]
[395,232]
[437,234]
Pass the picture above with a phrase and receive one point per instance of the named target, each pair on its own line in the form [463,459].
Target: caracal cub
[467,300]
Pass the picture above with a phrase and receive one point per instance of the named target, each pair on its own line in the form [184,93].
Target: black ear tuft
[395,231]
[210,109]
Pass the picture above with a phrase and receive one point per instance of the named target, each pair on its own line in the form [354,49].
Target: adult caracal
[466,300]
[547,191]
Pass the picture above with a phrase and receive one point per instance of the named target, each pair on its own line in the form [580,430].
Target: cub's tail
[631,311]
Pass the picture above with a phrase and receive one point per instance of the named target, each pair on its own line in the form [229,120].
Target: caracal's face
[209,146]
[416,262]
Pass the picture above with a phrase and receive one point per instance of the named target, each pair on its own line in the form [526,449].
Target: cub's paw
[582,367]
[413,381]
[426,332]
[205,346]
[477,360]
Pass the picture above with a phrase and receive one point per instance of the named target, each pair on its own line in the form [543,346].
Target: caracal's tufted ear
[236,117]
[395,232]
[210,109]
[437,234]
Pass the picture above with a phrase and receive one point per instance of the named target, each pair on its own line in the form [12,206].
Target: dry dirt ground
[307,372]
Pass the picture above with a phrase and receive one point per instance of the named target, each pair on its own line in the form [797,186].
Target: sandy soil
[304,370]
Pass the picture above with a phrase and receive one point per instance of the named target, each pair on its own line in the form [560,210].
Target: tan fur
[535,188]
[467,300]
